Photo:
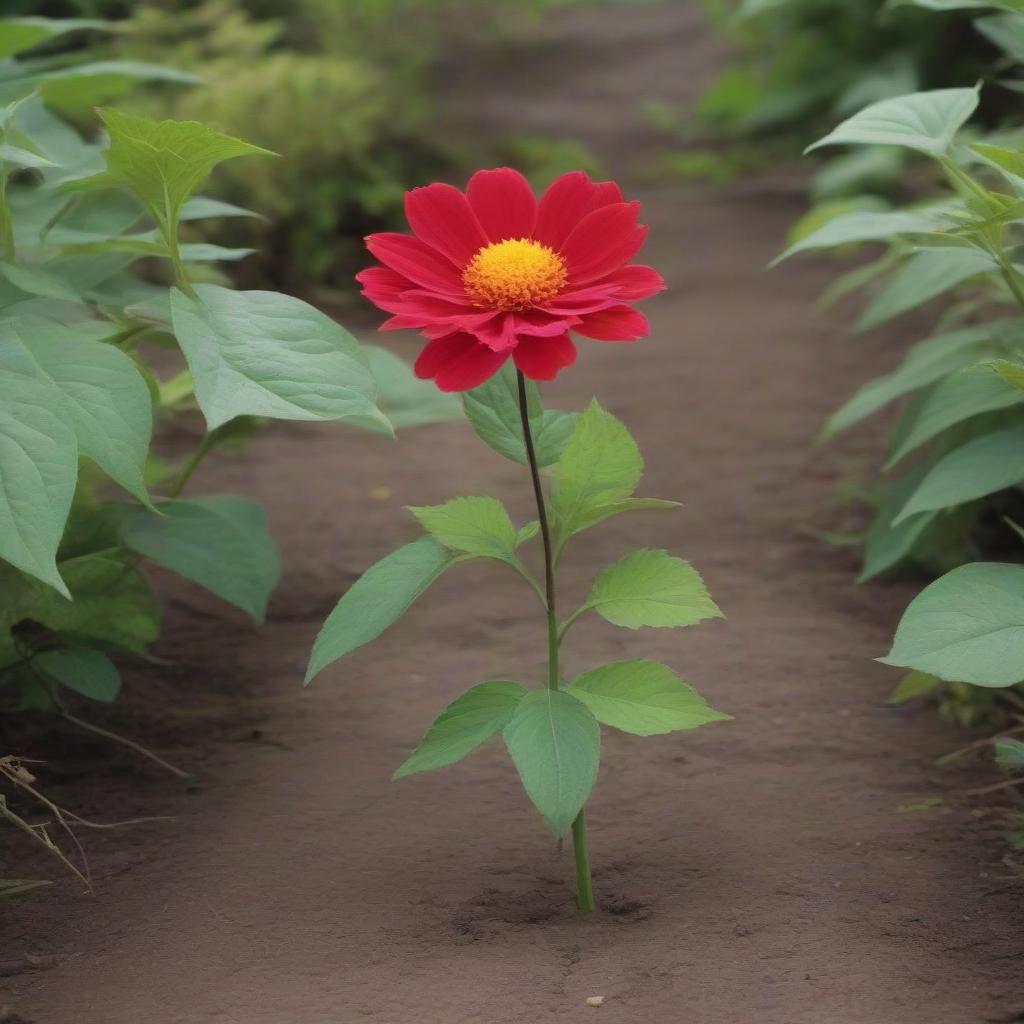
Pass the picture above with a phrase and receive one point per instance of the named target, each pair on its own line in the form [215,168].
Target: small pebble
[595,1001]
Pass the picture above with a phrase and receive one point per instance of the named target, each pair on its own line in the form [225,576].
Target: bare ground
[790,867]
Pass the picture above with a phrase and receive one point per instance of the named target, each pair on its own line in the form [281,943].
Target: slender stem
[584,886]
[6,224]
[202,450]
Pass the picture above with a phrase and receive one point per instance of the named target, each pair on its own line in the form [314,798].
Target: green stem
[204,448]
[584,887]
[6,224]
[180,278]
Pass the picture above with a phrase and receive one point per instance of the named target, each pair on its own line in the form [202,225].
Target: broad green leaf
[925,363]
[164,162]
[112,605]
[961,5]
[618,508]
[1010,755]
[555,743]
[965,393]
[220,542]
[24,158]
[470,720]
[99,390]
[78,89]
[966,627]
[651,588]
[601,465]
[1009,160]
[39,281]
[404,399]
[1005,31]
[1012,373]
[88,672]
[867,226]
[925,121]
[474,526]
[914,685]
[645,698]
[983,466]
[38,471]
[493,411]
[205,207]
[377,600]
[18,34]
[266,354]
[888,545]
[922,277]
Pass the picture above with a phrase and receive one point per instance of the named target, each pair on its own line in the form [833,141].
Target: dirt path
[761,871]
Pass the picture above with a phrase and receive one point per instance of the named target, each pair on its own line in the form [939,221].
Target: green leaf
[18,34]
[925,121]
[18,157]
[1012,373]
[266,354]
[164,162]
[966,627]
[618,508]
[921,278]
[925,363]
[88,672]
[651,588]
[912,686]
[475,526]
[377,600]
[99,390]
[961,5]
[867,226]
[470,720]
[555,743]
[38,471]
[112,605]
[38,281]
[1010,755]
[888,545]
[601,465]
[983,466]
[220,542]
[966,393]
[1005,31]
[493,411]
[402,397]
[645,698]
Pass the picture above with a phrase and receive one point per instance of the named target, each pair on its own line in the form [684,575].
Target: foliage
[87,354]
[551,732]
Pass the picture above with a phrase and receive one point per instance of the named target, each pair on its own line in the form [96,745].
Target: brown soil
[788,867]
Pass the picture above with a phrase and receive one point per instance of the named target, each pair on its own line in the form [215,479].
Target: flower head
[493,273]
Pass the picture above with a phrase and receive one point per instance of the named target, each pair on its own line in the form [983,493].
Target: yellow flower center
[514,274]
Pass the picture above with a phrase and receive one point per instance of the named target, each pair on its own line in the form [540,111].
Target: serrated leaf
[925,121]
[99,390]
[164,162]
[925,363]
[966,627]
[982,466]
[600,466]
[645,698]
[475,526]
[267,354]
[220,542]
[923,276]
[555,743]
[88,672]
[493,411]
[469,721]
[651,588]
[38,471]
[377,600]
[965,393]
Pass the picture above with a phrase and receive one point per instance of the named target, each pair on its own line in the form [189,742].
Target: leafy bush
[81,393]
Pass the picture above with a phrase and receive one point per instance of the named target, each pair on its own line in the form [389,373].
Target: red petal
[538,323]
[458,362]
[585,300]
[498,333]
[603,241]
[607,192]
[440,215]
[503,202]
[543,358]
[381,284]
[620,323]
[417,261]
[566,202]
[636,282]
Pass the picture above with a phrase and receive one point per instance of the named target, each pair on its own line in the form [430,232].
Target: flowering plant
[489,276]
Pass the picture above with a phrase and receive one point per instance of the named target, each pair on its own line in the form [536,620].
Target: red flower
[492,273]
